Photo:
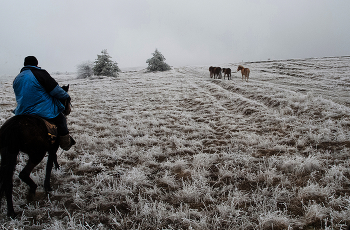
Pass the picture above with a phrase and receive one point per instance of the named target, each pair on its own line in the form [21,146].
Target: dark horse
[28,134]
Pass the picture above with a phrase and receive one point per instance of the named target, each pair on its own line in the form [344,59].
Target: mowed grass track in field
[179,150]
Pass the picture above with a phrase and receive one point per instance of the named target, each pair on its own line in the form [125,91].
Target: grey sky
[65,33]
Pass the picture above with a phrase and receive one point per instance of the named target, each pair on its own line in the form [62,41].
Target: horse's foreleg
[8,193]
[52,158]
[25,176]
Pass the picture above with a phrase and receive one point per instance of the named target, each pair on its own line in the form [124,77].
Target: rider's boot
[66,142]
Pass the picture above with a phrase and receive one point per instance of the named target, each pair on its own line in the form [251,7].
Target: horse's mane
[240,66]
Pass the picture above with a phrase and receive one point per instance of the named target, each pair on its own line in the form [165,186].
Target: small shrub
[104,66]
[85,70]
[156,63]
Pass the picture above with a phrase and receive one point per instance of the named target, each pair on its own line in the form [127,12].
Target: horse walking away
[217,72]
[211,70]
[227,71]
[28,134]
[245,72]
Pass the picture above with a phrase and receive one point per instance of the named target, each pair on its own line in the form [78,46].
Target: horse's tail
[7,168]
[9,151]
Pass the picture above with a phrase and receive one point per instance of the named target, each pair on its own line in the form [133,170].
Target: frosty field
[179,150]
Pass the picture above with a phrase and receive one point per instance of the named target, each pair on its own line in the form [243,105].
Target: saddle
[51,131]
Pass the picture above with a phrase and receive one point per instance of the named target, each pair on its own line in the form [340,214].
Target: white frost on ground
[178,150]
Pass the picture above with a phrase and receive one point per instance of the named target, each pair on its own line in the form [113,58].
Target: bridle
[67,104]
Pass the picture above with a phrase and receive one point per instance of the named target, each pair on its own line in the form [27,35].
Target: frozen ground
[178,150]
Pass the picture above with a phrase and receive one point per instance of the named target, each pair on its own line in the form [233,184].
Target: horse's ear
[65,87]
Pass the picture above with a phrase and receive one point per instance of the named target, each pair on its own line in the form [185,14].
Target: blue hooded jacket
[37,93]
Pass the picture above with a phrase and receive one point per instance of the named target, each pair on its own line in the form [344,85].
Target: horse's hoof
[48,189]
[32,189]
[12,214]
[30,196]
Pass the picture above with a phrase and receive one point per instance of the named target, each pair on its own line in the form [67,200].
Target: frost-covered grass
[178,150]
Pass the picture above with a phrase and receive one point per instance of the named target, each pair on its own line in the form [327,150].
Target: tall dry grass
[178,150]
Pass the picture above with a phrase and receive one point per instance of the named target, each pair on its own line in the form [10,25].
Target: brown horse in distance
[217,72]
[211,70]
[227,71]
[245,72]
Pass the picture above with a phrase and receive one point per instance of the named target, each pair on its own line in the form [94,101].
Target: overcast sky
[65,33]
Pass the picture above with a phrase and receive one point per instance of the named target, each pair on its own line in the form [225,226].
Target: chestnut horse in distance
[245,72]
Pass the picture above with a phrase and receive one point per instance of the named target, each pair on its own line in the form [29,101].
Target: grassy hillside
[179,150]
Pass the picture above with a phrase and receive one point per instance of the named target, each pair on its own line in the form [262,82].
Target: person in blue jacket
[37,93]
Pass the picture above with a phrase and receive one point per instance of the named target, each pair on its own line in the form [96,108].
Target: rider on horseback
[37,93]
